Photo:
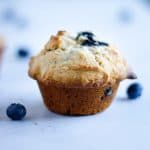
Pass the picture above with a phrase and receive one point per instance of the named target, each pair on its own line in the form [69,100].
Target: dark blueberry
[108,91]
[16,111]
[23,52]
[134,91]
[88,35]
[93,43]
[102,44]
[88,43]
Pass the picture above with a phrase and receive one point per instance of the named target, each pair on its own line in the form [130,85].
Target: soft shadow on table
[38,111]
[123,99]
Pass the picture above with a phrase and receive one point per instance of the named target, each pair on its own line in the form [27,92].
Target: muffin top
[80,61]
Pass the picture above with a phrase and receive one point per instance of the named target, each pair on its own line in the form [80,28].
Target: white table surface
[125,125]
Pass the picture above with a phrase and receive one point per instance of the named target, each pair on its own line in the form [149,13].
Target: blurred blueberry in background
[23,52]
[11,16]
[146,3]
[125,16]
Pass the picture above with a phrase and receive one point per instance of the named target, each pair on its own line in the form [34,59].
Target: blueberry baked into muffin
[78,75]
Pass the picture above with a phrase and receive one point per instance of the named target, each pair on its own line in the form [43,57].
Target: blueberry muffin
[78,75]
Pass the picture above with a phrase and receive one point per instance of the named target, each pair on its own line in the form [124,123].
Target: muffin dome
[78,61]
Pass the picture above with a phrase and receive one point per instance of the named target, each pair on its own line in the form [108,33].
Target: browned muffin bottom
[77,101]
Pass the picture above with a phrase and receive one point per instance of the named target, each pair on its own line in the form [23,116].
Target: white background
[124,125]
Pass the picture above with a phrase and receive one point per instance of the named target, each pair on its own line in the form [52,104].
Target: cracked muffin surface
[78,61]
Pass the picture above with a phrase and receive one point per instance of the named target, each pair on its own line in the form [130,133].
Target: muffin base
[76,101]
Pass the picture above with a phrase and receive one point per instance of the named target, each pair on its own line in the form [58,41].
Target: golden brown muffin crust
[65,62]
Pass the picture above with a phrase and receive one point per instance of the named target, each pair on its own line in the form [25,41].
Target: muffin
[78,75]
